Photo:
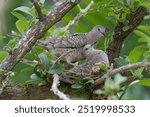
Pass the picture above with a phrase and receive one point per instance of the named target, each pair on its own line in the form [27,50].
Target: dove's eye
[99,29]
[86,48]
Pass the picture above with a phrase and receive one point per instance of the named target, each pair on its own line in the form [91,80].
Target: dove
[72,44]
[94,58]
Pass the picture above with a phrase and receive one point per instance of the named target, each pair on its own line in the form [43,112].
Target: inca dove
[93,59]
[73,44]
[94,56]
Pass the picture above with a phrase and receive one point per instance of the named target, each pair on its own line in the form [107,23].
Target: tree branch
[134,18]
[37,31]
[41,17]
[119,70]
[78,16]
[55,88]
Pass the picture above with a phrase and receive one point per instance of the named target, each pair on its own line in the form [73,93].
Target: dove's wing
[73,41]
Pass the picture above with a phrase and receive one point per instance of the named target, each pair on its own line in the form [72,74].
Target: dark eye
[99,29]
[86,48]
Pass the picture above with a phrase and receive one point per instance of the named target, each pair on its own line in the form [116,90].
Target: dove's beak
[104,31]
[93,44]
[104,34]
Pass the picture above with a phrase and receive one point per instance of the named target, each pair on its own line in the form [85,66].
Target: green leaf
[35,80]
[145,29]
[145,37]
[110,86]
[89,82]
[76,86]
[44,61]
[56,69]
[125,28]
[21,26]
[146,4]
[138,72]
[103,67]
[58,31]
[85,95]
[63,87]
[42,2]
[147,55]
[44,11]
[143,40]
[12,43]
[40,81]
[2,37]
[119,79]
[121,61]
[136,3]
[136,53]
[145,82]
[23,9]
[1,70]
[34,77]
[20,17]
[34,53]
[33,11]
[98,92]
[39,71]
[3,54]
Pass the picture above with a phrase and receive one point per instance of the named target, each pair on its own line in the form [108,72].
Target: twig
[78,16]
[119,70]
[55,89]
[41,17]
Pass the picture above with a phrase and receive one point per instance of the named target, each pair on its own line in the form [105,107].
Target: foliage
[106,12]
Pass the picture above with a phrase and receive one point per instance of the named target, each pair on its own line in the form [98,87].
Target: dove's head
[88,49]
[95,34]
[99,30]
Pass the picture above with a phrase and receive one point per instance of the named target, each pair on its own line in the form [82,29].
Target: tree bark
[119,35]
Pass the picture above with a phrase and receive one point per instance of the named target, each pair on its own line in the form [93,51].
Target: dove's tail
[44,45]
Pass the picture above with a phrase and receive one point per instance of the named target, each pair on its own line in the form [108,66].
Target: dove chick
[94,56]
